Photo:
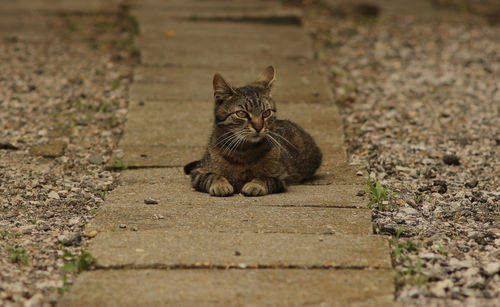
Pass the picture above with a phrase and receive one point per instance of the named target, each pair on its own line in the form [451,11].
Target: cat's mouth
[255,137]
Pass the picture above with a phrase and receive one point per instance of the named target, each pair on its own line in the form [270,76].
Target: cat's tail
[191,166]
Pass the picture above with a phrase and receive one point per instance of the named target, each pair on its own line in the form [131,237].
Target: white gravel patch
[69,90]
[421,104]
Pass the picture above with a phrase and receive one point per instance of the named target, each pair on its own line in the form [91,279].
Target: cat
[250,151]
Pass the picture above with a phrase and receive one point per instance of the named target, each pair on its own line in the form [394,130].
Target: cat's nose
[257,125]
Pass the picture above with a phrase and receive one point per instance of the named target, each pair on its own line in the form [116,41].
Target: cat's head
[245,114]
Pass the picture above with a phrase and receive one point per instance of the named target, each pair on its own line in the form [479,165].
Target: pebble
[49,150]
[150,201]
[96,159]
[53,195]
[92,234]
[360,193]
[440,288]
[70,239]
[123,226]
[73,221]
[451,160]
[492,268]
[7,146]
[471,184]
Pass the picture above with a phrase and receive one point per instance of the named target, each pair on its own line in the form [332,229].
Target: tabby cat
[250,151]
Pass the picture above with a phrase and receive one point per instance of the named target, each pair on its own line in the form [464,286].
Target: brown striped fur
[250,151]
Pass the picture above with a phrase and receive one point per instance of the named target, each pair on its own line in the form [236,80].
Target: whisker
[274,141]
[284,139]
[224,137]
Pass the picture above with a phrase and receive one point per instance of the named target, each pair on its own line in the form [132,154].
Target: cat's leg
[211,183]
[263,186]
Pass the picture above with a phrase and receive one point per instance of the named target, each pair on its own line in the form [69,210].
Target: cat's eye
[241,114]
[266,113]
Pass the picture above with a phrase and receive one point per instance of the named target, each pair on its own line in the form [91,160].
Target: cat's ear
[222,90]
[266,77]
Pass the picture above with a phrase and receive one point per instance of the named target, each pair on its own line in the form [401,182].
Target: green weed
[75,264]
[4,234]
[418,198]
[411,275]
[134,25]
[412,272]
[119,164]
[74,27]
[441,249]
[116,84]
[380,197]
[18,255]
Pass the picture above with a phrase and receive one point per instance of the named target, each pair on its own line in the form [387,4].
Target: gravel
[420,100]
[63,103]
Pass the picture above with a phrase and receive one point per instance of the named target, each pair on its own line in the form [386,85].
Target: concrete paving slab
[340,173]
[295,82]
[202,287]
[172,188]
[146,156]
[221,5]
[155,29]
[28,26]
[256,14]
[198,58]
[234,218]
[100,6]
[169,249]
[242,37]
[168,123]
[172,50]
[189,124]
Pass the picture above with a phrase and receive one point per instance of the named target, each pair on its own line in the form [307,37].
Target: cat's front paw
[253,188]
[221,187]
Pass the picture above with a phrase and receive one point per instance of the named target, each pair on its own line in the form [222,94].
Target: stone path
[312,245]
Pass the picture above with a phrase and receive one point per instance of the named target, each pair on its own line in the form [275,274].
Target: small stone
[440,186]
[27,230]
[492,268]
[150,201]
[237,253]
[92,234]
[70,239]
[360,193]
[49,150]
[471,184]
[35,301]
[359,173]
[53,195]
[134,228]
[96,159]
[451,160]
[439,288]
[7,146]
[123,226]
[73,221]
